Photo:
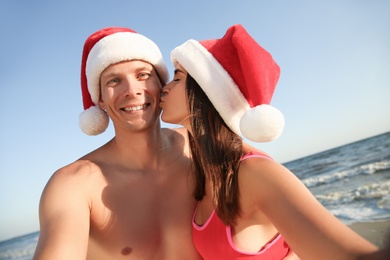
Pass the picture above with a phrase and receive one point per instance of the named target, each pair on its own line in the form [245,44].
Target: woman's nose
[165,89]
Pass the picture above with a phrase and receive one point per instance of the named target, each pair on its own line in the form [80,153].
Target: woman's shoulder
[258,172]
[247,148]
[255,154]
[256,164]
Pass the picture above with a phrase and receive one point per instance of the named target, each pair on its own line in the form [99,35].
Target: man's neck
[142,149]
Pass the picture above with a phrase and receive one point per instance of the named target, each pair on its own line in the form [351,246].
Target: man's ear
[101,105]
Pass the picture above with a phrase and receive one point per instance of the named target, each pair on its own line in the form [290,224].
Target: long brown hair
[216,152]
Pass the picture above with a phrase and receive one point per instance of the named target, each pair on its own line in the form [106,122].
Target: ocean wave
[23,253]
[20,248]
[366,169]
[367,202]
[377,191]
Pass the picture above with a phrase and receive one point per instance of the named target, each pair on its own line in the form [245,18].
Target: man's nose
[132,88]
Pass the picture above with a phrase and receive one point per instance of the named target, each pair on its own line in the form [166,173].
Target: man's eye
[112,81]
[143,75]
[116,80]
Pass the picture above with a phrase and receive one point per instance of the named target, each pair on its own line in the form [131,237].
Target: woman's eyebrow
[178,70]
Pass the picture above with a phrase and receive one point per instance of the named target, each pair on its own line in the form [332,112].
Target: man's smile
[135,108]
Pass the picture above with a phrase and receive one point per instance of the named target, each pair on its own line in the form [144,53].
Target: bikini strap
[252,154]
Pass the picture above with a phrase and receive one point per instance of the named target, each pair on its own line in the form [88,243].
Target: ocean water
[21,248]
[351,181]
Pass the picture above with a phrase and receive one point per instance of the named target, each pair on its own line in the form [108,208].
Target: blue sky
[334,87]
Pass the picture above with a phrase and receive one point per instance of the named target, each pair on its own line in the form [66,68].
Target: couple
[185,193]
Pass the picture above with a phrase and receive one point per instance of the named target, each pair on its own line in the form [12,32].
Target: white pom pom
[93,121]
[263,123]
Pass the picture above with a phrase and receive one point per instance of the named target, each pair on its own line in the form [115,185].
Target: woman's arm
[309,228]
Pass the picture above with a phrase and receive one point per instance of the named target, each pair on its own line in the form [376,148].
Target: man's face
[130,93]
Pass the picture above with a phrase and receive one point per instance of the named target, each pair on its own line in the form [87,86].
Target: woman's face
[173,99]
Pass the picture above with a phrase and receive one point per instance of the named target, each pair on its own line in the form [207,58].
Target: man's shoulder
[80,169]
[176,136]
[73,182]
[179,130]
[177,140]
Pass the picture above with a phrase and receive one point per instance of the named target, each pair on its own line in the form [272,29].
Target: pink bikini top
[213,240]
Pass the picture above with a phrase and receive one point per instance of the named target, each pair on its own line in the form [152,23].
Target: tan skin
[130,198]
[272,200]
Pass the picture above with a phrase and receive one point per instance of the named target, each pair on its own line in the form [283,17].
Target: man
[132,197]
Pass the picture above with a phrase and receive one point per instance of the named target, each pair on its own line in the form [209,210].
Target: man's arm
[64,216]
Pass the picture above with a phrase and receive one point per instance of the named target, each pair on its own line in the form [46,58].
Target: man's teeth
[136,108]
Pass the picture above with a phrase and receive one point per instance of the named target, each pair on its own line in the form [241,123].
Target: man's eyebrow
[109,75]
[145,67]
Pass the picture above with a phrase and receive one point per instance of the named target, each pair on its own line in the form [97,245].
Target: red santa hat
[102,49]
[239,77]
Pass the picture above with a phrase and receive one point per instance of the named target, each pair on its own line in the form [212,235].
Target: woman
[249,205]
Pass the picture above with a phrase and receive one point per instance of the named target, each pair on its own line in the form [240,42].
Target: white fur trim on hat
[262,123]
[93,121]
[214,80]
[118,47]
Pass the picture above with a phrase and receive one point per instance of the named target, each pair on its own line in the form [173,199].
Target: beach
[377,232]
[352,181]
[22,248]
